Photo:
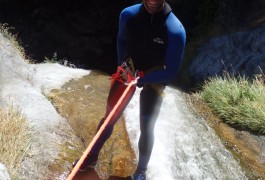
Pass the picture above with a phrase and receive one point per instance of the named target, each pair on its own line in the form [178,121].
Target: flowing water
[185,146]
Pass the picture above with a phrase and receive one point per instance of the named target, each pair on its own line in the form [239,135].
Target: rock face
[24,85]
[3,172]
[241,53]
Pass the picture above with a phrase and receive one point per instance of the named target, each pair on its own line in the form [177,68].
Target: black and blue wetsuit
[155,43]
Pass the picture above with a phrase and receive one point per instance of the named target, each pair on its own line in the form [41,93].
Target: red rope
[94,140]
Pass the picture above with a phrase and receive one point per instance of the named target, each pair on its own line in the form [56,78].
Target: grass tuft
[237,100]
[15,136]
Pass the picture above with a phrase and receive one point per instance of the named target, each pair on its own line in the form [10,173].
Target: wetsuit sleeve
[121,38]
[174,54]
[125,15]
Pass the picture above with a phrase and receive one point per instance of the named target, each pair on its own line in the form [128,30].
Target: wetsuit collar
[167,9]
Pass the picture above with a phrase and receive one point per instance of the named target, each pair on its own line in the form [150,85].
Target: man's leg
[150,103]
[115,93]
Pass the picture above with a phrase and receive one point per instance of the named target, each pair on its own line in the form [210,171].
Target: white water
[185,146]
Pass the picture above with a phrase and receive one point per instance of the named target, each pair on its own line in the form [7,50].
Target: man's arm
[125,15]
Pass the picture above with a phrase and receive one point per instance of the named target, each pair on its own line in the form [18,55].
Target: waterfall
[185,146]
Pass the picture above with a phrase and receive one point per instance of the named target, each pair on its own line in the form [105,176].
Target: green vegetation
[53,59]
[14,139]
[237,100]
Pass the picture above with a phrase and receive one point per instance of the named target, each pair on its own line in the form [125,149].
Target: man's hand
[134,82]
[126,74]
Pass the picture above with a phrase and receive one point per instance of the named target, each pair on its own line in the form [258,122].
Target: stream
[185,146]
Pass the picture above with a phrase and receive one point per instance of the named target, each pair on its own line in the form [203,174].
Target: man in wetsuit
[154,39]
[152,36]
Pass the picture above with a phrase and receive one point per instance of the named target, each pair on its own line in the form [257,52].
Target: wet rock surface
[247,148]
[82,102]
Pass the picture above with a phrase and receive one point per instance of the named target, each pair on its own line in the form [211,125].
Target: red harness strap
[124,77]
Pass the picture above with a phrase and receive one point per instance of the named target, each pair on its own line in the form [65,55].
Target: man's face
[153,6]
